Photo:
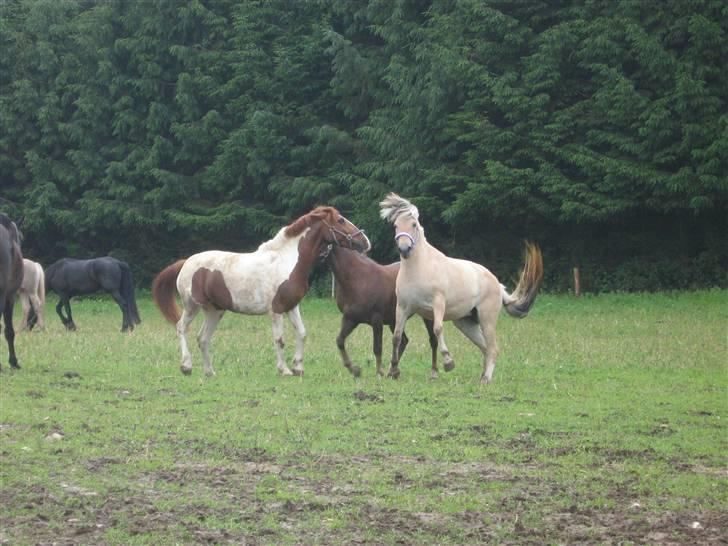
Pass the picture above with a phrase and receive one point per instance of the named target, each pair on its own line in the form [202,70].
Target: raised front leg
[294,315]
[402,315]
[277,327]
[347,327]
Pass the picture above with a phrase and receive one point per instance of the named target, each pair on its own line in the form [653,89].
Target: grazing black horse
[11,277]
[69,277]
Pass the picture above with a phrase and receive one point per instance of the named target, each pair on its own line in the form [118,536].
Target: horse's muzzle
[404,251]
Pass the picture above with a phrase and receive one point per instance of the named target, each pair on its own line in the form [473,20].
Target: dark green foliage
[151,130]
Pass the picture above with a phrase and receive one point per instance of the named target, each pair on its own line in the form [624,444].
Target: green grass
[605,423]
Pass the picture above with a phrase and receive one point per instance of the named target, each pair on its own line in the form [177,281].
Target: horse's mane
[395,206]
[298,227]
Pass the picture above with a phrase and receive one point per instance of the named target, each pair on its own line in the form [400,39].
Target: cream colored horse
[441,288]
[32,294]
[272,280]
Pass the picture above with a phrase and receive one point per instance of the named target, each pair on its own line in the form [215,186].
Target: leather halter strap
[349,237]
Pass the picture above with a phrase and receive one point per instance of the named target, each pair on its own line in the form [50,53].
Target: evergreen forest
[152,129]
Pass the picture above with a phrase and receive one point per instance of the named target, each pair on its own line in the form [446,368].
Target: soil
[193,503]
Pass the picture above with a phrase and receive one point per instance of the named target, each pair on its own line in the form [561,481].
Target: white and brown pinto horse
[441,288]
[32,295]
[272,280]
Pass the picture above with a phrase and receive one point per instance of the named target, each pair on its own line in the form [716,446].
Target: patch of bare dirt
[230,503]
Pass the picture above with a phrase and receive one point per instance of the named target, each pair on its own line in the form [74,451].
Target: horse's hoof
[211,373]
[484,380]
[284,371]
[355,371]
[298,372]
[434,375]
[449,366]
[393,373]
[15,365]
[186,371]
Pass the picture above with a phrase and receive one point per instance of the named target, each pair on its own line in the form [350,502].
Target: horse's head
[338,230]
[405,218]
[331,228]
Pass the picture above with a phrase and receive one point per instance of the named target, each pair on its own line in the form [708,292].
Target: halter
[349,237]
[405,234]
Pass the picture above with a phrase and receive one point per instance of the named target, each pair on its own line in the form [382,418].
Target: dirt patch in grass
[330,501]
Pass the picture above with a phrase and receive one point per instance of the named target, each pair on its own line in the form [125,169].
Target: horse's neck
[308,247]
[341,265]
[421,255]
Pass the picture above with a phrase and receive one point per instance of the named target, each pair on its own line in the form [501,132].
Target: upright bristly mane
[298,227]
[395,206]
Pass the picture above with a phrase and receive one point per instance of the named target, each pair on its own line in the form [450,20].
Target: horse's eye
[414,224]
[341,220]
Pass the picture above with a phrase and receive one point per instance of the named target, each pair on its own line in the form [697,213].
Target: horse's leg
[377,328]
[277,326]
[294,315]
[38,309]
[474,332]
[433,347]
[63,302]
[10,332]
[488,328]
[212,317]
[402,315]
[126,322]
[70,324]
[347,327]
[188,314]
[438,312]
[25,304]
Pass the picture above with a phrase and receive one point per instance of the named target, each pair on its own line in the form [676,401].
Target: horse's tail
[40,289]
[127,290]
[519,303]
[163,289]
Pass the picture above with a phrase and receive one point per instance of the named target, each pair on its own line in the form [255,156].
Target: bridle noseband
[349,237]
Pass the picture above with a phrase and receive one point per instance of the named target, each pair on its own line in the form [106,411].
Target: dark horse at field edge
[69,277]
[365,294]
[11,277]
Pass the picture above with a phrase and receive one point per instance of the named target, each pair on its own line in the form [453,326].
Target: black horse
[11,276]
[69,277]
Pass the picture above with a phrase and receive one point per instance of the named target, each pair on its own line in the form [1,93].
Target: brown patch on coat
[209,288]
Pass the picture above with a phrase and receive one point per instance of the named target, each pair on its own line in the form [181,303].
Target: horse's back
[240,282]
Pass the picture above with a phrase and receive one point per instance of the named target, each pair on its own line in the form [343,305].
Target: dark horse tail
[127,291]
[163,290]
[519,303]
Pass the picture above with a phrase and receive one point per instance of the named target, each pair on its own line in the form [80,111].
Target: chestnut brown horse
[11,277]
[272,280]
[365,294]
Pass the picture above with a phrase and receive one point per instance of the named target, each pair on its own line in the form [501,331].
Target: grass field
[605,424]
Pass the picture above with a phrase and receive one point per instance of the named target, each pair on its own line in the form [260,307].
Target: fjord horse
[365,294]
[272,280]
[442,288]
[69,277]
[32,295]
[11,277]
